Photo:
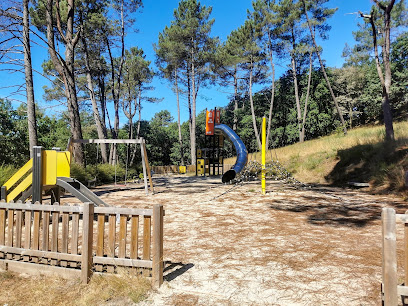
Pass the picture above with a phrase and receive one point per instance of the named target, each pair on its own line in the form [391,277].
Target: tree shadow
[175,269]
[337,207]
[367,162]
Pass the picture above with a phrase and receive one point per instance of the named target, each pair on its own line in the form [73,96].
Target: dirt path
[229,244]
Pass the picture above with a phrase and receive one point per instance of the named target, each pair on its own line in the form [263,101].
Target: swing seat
[92,182]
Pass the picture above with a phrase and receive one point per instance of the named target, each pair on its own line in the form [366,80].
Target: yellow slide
[23,185]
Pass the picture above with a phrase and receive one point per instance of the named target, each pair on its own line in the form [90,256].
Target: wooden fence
[172,169]
[390,288]
[78,240]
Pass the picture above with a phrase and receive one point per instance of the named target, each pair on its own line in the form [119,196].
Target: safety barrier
[172,169]
[390,288]
[49,239]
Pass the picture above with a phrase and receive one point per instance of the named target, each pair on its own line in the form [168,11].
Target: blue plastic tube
[242,153]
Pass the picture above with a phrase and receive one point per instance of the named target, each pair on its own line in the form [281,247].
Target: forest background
[272,64]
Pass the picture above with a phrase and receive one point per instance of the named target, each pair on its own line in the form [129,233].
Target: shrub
[6,171]
[79,172]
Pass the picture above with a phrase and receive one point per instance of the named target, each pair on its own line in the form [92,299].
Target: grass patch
[6,171]
[122,289]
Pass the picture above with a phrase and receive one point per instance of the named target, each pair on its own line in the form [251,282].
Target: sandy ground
[230,245]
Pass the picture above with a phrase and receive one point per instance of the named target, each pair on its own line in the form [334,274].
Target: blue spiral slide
[242,153]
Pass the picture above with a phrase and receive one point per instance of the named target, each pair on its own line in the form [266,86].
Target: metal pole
[37,174]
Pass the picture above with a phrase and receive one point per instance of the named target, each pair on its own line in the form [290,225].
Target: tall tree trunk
[190,111]
[178,118]
[272,92]
[386,84]
[65,68]
[100,128]
[234,127]
[193,117]
[32,122]
[295,84]
[252,107]
[324,70]
[139,106]
[302,135]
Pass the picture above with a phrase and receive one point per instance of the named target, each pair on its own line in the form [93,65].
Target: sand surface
[230,245]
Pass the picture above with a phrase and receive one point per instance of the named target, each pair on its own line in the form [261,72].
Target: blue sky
[229,15]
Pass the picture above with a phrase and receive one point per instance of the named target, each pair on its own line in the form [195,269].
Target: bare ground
[230,245]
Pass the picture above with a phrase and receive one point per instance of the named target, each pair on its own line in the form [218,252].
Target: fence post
[87,241]
[3,193]
[157,258]
[37,174]
[389,259]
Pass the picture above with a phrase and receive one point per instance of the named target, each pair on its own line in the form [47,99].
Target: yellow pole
[263,154]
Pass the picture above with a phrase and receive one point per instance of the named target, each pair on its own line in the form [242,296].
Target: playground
[229,244]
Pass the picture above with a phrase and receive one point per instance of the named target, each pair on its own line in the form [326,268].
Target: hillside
[360,156]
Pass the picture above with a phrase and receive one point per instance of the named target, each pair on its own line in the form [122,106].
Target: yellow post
[263,154]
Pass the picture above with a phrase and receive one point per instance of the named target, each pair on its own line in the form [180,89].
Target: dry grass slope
[360,156]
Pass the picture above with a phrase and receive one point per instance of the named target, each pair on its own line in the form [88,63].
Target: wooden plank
[403,290]
[137,141]
[389,259]
[124,262]
[54,233]
[41,254]
[27,233]
[2,226]
[36,230]
[19,228]
[65,234]
[45,244]
[111,236]
[78,209]
[405,298]
[37,270]
[123,211]
[122,236]
[402,218]
[100,240]
[75,233]
[146,238]
[157,258]
[134,236]
[101,235]
[87,241]
[10,227]
[149,174]
[39,207]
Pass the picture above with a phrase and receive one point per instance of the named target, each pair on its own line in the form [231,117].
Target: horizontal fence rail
[172,169]
[78,240]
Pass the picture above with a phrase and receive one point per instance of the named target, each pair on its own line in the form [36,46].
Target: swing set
[143,151]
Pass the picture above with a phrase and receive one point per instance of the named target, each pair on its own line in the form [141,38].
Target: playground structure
[49,171]
[59,239]
[211,157]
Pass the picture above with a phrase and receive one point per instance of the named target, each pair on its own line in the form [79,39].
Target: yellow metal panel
[64,164]
[20,187]
[49,168]
[182,169]
[200,166]
[19,174]
[198,153]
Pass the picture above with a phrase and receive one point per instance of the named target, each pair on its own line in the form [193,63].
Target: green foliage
[6,171]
